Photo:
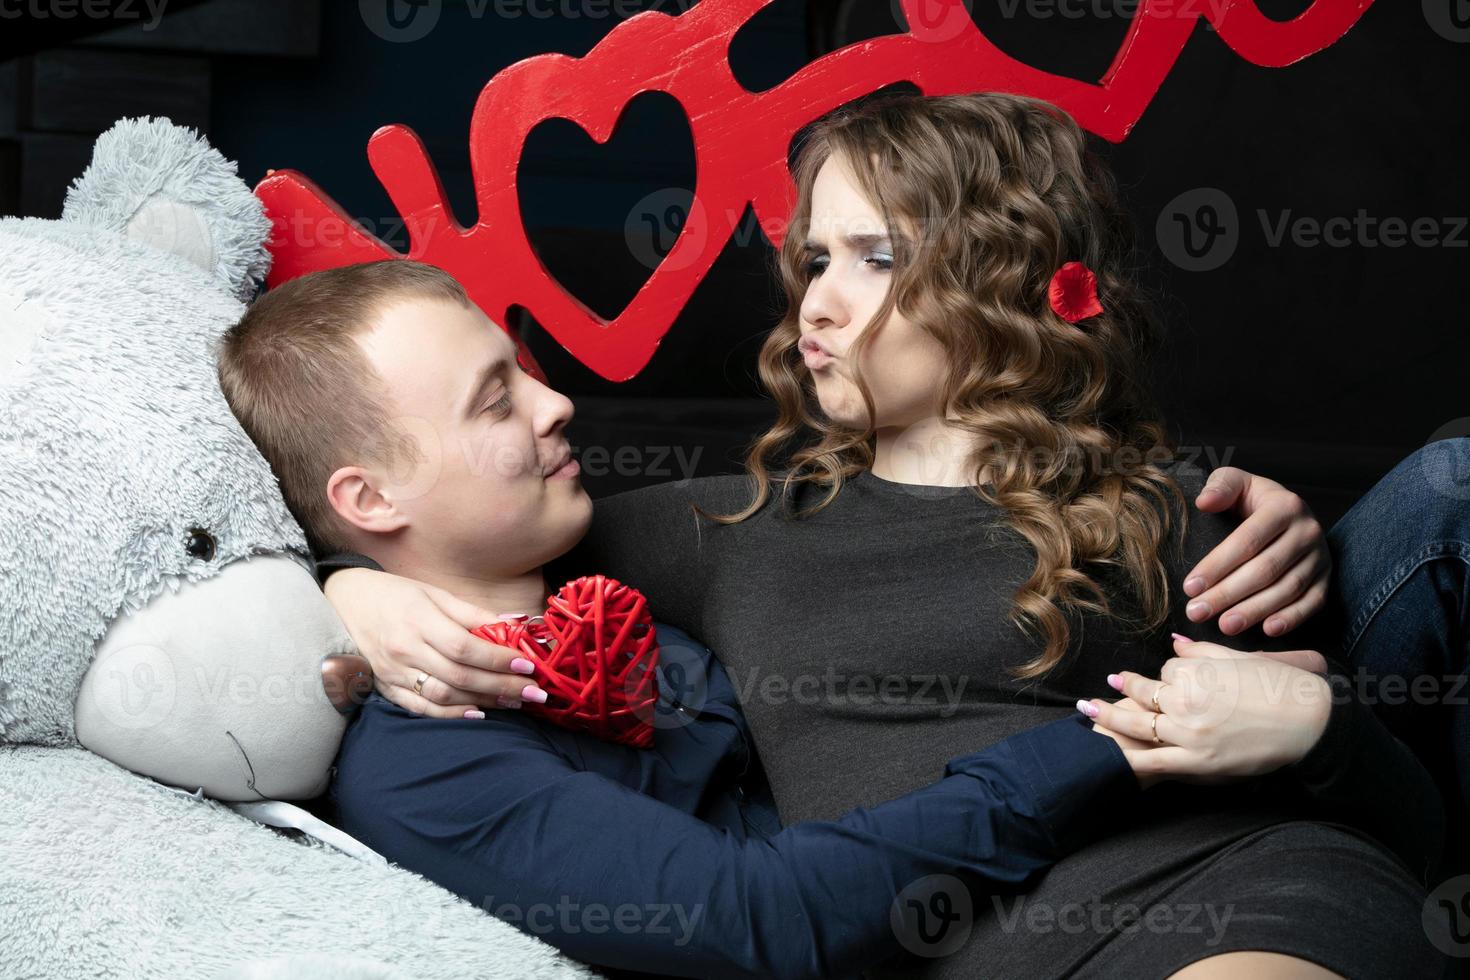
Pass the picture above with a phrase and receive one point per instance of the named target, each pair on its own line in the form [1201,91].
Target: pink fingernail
[1088,708]
[533,693]
[1194,586]
[474,715]
[510,617]
[1115,681]
[521,665]
[1275,626]
[1197,610]
[1181,638]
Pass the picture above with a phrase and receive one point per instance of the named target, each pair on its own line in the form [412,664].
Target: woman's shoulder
[716,494]
[1187,473]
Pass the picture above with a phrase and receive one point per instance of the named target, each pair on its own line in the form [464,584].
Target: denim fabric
[1402,597]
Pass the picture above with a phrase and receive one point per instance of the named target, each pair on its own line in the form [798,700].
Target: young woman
[973,527]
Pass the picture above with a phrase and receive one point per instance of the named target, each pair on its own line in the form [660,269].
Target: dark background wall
[1318,361]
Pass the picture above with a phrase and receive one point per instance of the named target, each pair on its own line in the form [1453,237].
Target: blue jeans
[1402,606]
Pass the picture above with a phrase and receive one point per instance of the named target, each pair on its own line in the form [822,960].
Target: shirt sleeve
[1358,773]
[623,881]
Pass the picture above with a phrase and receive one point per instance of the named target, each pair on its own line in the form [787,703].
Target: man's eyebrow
[487,374]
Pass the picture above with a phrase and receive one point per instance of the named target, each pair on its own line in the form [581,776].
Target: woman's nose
[824,304]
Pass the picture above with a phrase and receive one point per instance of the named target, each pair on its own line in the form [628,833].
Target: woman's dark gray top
[872,641]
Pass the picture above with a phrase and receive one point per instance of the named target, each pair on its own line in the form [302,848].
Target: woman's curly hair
[985,197]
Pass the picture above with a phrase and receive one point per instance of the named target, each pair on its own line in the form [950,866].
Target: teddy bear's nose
[348,680]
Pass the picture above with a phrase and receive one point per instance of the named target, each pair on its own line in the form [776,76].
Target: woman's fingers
[1137,725]
[1141,690]
[409,701]
[466,614]
[476,654]
[451,682]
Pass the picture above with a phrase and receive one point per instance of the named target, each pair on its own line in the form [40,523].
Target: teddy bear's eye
[201,544]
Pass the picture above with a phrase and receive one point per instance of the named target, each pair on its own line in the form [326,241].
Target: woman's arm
[649,538]
[568,855]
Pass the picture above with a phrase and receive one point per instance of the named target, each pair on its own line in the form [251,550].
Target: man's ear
[353,493]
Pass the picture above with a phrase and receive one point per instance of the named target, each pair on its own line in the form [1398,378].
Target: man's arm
[1273,569]
[618,879]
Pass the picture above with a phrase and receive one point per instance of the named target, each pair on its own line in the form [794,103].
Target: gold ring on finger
[418,685]
[1154,699]
[1155,725]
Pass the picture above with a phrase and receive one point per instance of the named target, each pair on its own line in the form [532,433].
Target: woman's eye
[816,265]
[879,260]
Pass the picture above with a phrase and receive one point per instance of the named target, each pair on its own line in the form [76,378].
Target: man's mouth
[567,469]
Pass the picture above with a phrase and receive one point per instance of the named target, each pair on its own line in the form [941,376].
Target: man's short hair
[303,388]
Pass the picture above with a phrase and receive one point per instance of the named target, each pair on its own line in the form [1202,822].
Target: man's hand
[1274,567]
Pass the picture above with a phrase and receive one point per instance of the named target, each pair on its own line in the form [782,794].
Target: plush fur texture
[109,875]
[114,437]
[115,442]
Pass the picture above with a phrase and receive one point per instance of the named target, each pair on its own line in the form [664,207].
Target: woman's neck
[933,453]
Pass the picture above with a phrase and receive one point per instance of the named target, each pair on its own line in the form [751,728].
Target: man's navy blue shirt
[671,859]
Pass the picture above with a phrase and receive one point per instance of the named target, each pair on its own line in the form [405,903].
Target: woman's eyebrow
[855,240]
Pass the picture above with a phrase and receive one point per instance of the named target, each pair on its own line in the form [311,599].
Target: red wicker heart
[596,654]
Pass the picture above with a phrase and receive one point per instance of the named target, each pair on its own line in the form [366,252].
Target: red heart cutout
[596,656]
[741,143]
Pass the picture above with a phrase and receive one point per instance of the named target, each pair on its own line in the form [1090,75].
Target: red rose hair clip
[1074,293]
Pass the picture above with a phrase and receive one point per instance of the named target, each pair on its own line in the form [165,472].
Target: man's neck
[525,593]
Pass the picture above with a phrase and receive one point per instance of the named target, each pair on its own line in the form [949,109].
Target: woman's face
[850,259]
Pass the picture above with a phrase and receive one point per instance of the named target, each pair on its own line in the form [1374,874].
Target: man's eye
[501,404]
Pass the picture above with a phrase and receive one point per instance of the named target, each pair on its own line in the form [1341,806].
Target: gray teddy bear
[159,616]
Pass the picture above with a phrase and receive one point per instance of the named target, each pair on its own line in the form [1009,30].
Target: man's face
[499,492]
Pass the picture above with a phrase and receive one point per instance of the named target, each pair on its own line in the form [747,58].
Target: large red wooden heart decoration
[596,656]
[741,142]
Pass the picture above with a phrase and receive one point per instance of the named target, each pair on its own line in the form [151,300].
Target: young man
[401,428]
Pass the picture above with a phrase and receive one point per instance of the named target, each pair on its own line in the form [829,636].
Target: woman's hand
[1275,566]
[1221,714]
[405,628]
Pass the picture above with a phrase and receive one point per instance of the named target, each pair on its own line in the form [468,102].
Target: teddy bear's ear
[165,185]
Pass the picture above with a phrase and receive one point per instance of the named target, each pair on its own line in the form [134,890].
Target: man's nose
[553,411]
